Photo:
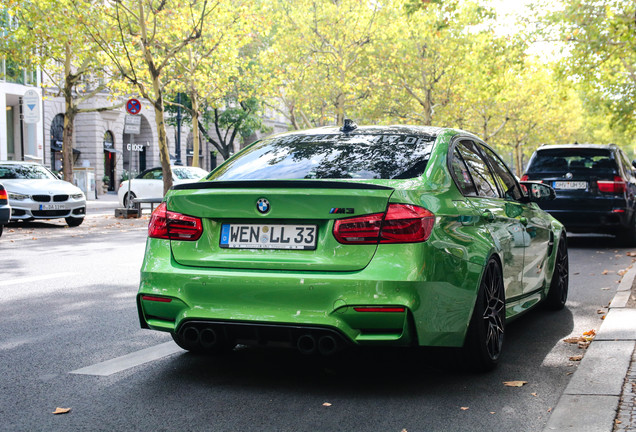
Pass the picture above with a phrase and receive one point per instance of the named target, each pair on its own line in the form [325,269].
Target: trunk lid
[231,208]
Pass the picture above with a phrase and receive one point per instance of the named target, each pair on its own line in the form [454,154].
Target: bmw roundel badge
[262,205]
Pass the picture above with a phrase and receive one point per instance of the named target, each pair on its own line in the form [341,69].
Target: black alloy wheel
[558,293]
[484,341]
[127,197]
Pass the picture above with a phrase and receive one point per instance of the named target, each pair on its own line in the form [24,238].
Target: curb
[595,388]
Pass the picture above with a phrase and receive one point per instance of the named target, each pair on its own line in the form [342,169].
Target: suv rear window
[353,156]
[576,161]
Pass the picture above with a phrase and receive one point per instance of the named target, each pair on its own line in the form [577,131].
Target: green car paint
[397,294]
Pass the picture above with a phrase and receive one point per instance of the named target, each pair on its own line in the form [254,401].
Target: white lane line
[26,280]
[131,360]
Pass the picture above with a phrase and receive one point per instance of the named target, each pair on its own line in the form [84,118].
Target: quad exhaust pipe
[208,338]
[326,345]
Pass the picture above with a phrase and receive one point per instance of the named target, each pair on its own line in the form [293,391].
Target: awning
[57,146]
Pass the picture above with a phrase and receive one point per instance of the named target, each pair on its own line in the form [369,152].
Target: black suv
[594,184]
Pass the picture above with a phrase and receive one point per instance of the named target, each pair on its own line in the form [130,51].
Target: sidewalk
[106,204]
[601,394]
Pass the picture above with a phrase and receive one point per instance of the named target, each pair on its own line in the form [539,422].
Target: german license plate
[268,236]
[570,185]
[52,207]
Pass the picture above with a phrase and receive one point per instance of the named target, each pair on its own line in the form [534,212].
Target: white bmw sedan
[149,184]
[36,193]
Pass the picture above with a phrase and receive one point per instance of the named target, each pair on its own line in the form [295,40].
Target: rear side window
[507,181]
[461,175]
[575,160]
[480,173]
[351,156]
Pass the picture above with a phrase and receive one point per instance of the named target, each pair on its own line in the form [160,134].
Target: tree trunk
[164,153]
[518,159]
[69,118]
[194,97]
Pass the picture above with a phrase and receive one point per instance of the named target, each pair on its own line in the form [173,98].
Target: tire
[485,337]
[558,292]
[132,196]
[1,229]
[74,222]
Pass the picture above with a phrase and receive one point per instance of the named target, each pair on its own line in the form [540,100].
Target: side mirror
[634,163]
[537,191]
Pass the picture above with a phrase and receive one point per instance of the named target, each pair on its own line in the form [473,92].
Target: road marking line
[35,278]
[131,360]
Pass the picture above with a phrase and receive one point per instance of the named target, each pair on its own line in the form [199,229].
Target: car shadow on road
[387,371]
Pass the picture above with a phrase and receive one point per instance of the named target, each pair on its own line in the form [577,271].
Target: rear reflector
[165,224]
[402,223]
[157,299]
[609,186]
[378,309]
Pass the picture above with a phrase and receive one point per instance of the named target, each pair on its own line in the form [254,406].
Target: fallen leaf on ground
[464,408]
[573,340]
[576,358]
[591,332]
[59,410]
[603,317]
[631,254]
[549,409]
[569,373]
[600,311]
[515,383]
[605,288]
[584,345]
[621,272]
[534,394]
[326,404]
[576,273]
[492,412]
[604,272]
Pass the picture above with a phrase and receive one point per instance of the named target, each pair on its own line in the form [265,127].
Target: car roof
[12,162]
[431,132]
[575,146]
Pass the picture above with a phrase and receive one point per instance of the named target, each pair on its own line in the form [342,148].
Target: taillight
[615,186]
[402,223]
[4,197]
[166,224]
[524,177]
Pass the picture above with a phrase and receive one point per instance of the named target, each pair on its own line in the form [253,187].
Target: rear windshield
[330,157]
[29,172]
[581,161]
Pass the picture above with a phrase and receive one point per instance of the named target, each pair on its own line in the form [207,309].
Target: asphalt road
[67,303]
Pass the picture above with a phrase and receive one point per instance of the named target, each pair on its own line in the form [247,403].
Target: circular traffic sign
[133,106]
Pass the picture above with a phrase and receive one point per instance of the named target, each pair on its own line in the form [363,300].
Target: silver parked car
[5,208]
[34,192]
[149,184]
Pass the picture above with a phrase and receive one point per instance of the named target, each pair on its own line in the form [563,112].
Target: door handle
[487,214]
[523,220]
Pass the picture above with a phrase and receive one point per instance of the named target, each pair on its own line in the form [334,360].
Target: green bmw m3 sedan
[355,236]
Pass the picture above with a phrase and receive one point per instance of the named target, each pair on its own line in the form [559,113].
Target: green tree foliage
[49,34]
[600,42]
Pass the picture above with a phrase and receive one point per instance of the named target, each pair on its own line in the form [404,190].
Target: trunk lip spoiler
[278,184]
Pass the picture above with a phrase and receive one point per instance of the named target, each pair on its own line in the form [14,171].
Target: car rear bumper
[429,306]
[594,221]
[5,215]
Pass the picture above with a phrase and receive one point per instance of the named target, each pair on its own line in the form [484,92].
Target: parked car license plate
[52,207]
[268,236]
[569,185]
